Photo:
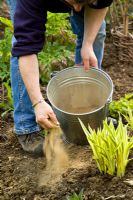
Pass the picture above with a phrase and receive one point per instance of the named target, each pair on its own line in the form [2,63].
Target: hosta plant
[110,146]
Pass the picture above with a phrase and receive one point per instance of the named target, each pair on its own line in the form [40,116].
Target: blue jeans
[24,117]
[12,5]
[77,24]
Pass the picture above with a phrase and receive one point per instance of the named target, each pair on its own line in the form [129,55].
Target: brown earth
[20,173]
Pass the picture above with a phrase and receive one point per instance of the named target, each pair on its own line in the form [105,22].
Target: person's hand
[88,57]
[45,116]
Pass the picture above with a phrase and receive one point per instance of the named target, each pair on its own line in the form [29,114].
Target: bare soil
[20,173]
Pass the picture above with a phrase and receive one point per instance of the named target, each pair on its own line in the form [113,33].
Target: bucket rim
[81,114]
[77,67]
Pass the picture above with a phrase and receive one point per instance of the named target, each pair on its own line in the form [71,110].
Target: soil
[20,173]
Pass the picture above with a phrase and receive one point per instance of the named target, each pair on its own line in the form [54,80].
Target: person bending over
[31,112]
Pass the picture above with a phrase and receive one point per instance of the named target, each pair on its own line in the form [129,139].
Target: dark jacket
[30,19]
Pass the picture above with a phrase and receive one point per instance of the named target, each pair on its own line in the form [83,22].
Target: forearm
[30,74]
[93,19]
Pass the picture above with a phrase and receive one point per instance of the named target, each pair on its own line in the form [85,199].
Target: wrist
[41,100]
[88,44]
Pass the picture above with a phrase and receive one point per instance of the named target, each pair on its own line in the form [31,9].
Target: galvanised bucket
[74,93]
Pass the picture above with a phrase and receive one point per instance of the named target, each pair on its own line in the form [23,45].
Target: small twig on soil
[117,196]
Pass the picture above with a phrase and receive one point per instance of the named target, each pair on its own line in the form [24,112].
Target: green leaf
[75,196]
[7,22]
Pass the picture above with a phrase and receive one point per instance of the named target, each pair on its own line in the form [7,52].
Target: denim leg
[12,6]
[77,23]
[24,116]
[98,45]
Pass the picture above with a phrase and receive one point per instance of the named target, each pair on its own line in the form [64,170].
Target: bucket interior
[81,93]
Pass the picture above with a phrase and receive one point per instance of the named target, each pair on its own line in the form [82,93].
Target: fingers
[94,62]
[46,122]
[88,57]
[53,118]
[86,64]
[45,116]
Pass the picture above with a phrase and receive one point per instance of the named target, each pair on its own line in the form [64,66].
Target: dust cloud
[56,157]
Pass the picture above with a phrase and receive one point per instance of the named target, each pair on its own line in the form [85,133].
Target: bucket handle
[52,74]
[107,105]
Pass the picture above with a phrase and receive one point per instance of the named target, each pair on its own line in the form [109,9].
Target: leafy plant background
[58,52]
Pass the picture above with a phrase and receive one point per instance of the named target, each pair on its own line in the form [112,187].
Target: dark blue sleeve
[29,27]
[99,4]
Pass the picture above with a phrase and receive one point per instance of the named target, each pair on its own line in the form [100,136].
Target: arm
[29,28]
[93,19]
[30,73]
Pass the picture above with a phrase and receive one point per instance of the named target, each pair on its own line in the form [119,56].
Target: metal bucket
[74,93]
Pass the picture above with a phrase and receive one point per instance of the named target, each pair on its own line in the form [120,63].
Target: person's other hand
[88,57]
[45,116]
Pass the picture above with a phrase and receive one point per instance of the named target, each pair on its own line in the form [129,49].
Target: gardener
[30,110]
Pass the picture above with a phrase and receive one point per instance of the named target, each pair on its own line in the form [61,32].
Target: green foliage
[7,106]
[5,51]
[58,25]
[129,118]
[7,22]
[54,57]
[59,47]
[121,106]
[75,196]
[110,146]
